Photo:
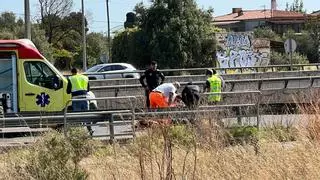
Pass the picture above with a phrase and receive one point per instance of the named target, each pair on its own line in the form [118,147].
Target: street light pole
[109,38]
[27,25]
[84,46]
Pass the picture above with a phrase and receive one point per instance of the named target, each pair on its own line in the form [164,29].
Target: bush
[53,157]
[280,133]
[242,135]
[277,58]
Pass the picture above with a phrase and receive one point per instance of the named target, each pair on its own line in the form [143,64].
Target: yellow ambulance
[28,81]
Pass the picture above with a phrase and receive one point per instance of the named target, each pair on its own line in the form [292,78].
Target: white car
[117,70]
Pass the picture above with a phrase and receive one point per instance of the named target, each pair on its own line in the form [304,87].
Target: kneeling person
[164,95]
[191,95]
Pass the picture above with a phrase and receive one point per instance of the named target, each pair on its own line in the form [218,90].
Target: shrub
[53,157]
[242,134]
[279,58]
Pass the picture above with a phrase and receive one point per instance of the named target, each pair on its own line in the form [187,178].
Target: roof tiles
[258,14]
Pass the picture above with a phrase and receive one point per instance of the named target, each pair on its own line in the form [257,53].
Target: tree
[51,13]
[96,47]
[7,35]
[11,25]
[175,33]
[313,28]
[296,6]
[266,33]
[39,39]
[129,46]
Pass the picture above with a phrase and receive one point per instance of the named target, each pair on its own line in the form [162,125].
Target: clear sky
[96,9]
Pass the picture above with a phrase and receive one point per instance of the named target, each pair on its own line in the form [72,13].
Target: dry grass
[148,160]
[204,152]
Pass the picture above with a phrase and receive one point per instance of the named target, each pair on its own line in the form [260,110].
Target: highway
[274,86]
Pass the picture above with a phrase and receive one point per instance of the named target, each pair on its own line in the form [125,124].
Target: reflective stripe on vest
[215,86]
[79,82]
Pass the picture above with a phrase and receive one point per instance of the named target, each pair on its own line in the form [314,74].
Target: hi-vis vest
[215,86]
[79,82]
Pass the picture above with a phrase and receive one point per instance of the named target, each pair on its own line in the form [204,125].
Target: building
[280,21]
[316,13]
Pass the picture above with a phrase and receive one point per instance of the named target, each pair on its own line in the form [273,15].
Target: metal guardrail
[273,68]
[232,82]
[102,98]
[257,104]
[131,113]
[201,109]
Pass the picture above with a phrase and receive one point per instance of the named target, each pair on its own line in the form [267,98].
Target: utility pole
[109,38]
[84,44]
[27,25]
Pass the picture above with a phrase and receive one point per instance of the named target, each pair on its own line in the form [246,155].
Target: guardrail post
[111,128]
[260,84]
[258,111]
[286,84]
[133,117]
[238,114]
[232,86]
[116,92]
[65,118]
[312,81]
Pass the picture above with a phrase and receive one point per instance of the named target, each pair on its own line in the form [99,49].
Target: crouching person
[191,95]
[164,95]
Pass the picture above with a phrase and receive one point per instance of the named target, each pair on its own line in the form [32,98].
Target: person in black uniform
[153,79]
[191,95]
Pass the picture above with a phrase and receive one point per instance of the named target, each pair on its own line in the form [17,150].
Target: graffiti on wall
[241,50]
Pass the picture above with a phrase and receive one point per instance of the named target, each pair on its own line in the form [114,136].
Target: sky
[95,10]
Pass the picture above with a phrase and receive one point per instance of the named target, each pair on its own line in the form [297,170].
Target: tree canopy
[296,5]
[174,33]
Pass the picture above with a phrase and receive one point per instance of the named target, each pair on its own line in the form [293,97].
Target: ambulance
[28,81]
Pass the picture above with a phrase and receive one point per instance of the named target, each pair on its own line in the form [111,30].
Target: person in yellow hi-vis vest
[214,83]
[78,86]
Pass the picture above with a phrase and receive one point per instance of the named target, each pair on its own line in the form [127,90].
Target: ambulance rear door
[8,81]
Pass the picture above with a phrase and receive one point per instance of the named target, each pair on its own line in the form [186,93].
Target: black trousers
[147,92]
[191,100]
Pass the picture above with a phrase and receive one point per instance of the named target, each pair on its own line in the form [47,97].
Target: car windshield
[94,68]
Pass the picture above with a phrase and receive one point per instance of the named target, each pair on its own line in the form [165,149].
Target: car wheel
[93,106]
[129,76]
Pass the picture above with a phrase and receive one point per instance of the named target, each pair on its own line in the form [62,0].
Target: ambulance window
[38,73]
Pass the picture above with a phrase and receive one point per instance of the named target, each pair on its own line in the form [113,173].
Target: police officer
[153,79]
[213,84]
[78,86]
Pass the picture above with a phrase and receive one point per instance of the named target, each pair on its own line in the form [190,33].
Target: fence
[109,117]
[258,84]
[132,111]
[271,68]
